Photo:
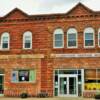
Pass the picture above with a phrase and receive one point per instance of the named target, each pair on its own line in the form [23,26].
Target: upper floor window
[58,38]
[72,38]
[5,39]
[99,37]
[27,40]
[89,37]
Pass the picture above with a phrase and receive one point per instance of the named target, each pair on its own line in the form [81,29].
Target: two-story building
[54,53]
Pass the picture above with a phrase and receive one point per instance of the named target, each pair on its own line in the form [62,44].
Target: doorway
[1,84]
[68,85]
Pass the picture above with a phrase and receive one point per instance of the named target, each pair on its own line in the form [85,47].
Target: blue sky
[44,6]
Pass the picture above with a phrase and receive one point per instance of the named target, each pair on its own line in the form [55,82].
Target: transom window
[72,38]
[27,40]
[5,38]
[58,40]
[89,37]
[23,75]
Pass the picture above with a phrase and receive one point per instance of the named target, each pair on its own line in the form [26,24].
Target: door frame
[68,76]
[3,85]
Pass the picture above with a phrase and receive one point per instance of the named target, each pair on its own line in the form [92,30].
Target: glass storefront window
[92,79]
[67,71]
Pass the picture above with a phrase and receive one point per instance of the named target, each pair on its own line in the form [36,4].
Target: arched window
[89,37]
[58,38]
[72,41]
[5,40]
[99,37]
[27,40]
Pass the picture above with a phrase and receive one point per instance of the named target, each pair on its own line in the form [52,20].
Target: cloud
[44,6]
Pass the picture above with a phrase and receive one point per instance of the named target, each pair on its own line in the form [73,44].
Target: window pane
[71,36]
[58,37]
[58,43]
[71,43]
[23,75]
[15,76]
[99,38]
[5,42]
[5,45]
[88,36]
[90,79]
[27,41]
[88,42]
[32,76]
[71,40]
[27,45]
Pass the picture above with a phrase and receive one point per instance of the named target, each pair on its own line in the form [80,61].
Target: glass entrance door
[63,85]
[68,85]
[1,85]
[72,86]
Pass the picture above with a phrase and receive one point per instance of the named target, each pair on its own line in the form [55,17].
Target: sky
[32,7]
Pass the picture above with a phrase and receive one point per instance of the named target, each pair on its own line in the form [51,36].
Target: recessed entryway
[68,82]
[68,85]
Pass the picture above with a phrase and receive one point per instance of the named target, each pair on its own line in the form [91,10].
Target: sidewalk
[59,98]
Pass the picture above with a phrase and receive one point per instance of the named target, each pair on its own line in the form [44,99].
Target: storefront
[76,82]
[68,82]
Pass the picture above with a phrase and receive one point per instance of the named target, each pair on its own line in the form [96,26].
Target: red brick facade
[42,28]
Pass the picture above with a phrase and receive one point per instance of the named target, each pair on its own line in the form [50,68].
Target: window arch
[27,40]
[72,36]
[58,38]
[5,40]
[99,37]
[89,37]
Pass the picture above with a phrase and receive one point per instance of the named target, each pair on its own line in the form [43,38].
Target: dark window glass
[58,40]
[71,40]
[5,45]
[23,75]
[89,39]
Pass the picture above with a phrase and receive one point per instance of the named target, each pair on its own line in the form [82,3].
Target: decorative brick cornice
[43,17]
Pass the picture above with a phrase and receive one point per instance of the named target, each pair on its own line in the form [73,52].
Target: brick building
[54,53]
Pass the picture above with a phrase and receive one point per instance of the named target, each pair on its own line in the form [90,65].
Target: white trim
[89,30]
[98,37]
[27,33]
[5,34]
[82,75]
[67,77]
[71,55]
[58,31]
[72,31]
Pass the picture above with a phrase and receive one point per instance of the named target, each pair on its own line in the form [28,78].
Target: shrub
[23,95]
[97,96]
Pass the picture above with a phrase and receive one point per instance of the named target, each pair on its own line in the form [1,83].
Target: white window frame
[72,31]
[5,34]
[58,31]
[98,38]
[17,81]
[27,33]
[89,30]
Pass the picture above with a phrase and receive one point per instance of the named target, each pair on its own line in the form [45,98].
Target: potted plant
[97,96]
[24,94]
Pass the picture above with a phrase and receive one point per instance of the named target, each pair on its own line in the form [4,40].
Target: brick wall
[42,29]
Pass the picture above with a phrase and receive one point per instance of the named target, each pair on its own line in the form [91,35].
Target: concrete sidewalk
[58,98]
